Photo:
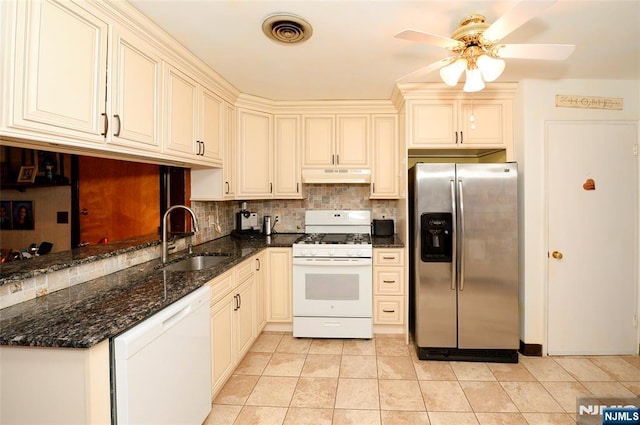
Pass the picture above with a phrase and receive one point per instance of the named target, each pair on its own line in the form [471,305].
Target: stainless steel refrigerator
[464,261]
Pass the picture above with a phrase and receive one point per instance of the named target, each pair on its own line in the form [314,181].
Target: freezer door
[433,275]
[487,256]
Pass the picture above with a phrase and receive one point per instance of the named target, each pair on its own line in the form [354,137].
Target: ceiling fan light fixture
[473,81]
[490,68]
[451,73]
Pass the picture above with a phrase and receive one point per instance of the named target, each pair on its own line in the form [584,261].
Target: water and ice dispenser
[436,237]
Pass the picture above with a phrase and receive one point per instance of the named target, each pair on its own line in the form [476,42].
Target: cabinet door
[181,114]
[432,123]
[61,73]
[491,119]
[318,141]
[286,166]
[260,277]
[230,153]
[385,180]
[209,144]
[135,91]
[222,347]
[255,149]
[352,141]
[245,322]
[279,308]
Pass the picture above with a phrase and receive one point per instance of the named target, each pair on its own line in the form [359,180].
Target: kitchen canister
[266,226]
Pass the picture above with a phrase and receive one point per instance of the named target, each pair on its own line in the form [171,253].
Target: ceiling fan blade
[416,75]
[425,37]
[554,52]
[522,12]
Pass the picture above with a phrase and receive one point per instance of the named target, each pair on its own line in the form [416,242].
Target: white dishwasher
[163,366]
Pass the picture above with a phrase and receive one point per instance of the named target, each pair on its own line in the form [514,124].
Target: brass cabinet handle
[388,311]
[106,124]
[117,133]
[557,255]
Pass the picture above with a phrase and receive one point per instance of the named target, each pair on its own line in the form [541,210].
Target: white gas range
[332,276]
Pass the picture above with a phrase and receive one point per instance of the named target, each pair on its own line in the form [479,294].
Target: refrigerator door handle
[461,217]
[453,240]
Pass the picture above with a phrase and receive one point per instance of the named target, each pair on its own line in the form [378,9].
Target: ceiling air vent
[286,28]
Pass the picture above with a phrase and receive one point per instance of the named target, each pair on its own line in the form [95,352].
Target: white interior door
[592,211]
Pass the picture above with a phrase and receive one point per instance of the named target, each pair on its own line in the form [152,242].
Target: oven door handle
[347,262]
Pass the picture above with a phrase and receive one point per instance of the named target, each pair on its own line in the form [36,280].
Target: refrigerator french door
[464,261]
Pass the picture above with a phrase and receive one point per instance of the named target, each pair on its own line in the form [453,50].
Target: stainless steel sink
[196,263]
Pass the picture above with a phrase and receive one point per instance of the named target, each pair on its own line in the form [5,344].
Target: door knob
[84,211]
[557,255]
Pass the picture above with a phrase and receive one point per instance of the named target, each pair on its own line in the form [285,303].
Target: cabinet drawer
[388,310]
[388,281]
[388,257]
[244,270]
[221,285]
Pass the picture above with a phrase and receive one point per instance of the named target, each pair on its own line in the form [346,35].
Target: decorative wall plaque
[589,102]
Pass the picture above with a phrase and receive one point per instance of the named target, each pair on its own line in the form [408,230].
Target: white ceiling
[353,53]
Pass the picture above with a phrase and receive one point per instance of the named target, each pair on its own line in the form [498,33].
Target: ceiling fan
[476,48]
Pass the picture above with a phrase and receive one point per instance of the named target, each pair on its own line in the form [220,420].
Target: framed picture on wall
[22,215]
[5,215]
[27,174]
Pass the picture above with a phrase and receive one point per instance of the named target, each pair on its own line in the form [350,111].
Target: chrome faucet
[164,227]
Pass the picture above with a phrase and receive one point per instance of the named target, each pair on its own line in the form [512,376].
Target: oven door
[332,287]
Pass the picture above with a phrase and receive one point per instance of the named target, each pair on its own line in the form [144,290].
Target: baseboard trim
[530,349]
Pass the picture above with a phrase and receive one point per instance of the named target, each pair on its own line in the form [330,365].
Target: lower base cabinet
[55,385]
[234,319]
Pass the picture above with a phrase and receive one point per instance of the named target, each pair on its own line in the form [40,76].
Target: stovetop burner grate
[336,238]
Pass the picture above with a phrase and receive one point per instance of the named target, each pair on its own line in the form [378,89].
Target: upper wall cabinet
[286,161]
[216,184]
[445,123]
[336,141]
[440,118]
[136,89]
[104,82]
[60,75]
[385,180]
[255,154]
[194,116]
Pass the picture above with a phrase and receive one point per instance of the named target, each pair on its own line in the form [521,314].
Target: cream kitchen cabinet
[255,154]
[385,179]
[234,313]
[136,90]
[286,161]
[260,292]
[68,385]
[194,114]
[279,285]
[388,286]
[460,123]
[60,76]
[216,184]
[268,156]
[336,141]
[63,90]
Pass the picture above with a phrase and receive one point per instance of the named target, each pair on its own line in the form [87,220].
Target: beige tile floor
[290,381]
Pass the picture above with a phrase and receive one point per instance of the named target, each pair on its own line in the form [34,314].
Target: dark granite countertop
[35,266]
[85,314]
[387,242]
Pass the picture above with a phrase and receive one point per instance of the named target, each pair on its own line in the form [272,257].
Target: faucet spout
[194,222]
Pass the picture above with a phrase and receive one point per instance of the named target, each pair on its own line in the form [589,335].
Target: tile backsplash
[291,211]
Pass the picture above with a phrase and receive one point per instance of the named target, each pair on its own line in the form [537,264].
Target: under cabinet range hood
[336,175]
